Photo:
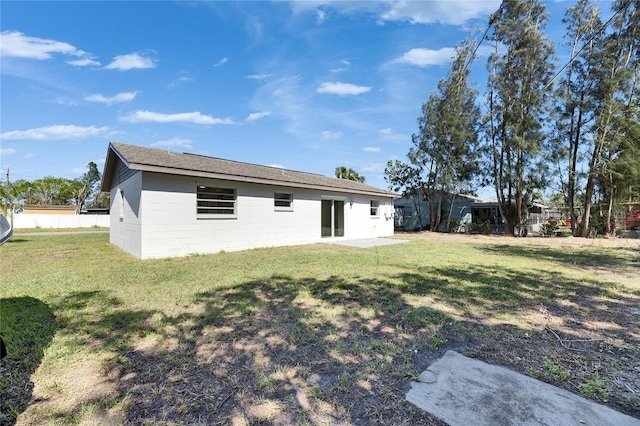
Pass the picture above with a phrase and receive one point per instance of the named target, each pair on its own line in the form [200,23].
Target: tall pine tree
[575,109]
[446,147]
[616,105]
[520,71]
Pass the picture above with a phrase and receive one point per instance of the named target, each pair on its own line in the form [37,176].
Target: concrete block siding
[162,221]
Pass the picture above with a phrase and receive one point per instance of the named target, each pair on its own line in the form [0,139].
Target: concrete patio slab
[466,391]
[366,242]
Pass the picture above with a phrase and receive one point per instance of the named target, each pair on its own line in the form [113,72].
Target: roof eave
[237,178]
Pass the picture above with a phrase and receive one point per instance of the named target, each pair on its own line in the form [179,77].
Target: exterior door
[332,218]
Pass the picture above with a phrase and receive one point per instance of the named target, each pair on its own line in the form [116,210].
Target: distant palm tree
[349,174]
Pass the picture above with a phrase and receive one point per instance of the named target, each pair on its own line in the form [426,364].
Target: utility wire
[600,30]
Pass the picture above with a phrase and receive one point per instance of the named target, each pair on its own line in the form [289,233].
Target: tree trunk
[593,174]
[438,219]
[453,198]
[416,204]
[608,228]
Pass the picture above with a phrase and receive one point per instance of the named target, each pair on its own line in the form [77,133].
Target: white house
[166,204]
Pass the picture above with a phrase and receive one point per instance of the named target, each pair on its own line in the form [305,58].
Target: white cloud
[258,76]
[179,81]
[345,66]
[184,117]
[18,45]
[7,151]
[120,97]
[130,61]
[173,142]
[56,132]
[454,12]
[331,135]
[342,89]
[277,166]
[371,149]
[389,135]
[221,62]
[426,57]
[257,115]
[84,62]
[61,100]
[286,99]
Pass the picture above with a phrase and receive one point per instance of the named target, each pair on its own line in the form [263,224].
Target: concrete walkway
[464,391]
[366,242]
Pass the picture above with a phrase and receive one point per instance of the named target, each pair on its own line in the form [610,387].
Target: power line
[600,30]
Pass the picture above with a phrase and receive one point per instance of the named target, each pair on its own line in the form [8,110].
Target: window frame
[224,193]
[121,207]
[283,208]
[374,208]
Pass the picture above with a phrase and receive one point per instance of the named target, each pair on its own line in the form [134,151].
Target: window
[121,205]
[283,202]
[215,202]
[375,205]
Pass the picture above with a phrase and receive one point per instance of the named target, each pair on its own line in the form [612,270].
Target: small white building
[166,204]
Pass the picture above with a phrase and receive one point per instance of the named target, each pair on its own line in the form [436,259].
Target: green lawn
[304,335]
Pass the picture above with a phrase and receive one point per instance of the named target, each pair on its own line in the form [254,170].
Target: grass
[551,371]
[307,334]
[18,231]
[594,388]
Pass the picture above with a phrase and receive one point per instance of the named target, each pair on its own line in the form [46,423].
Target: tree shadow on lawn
[589,305]
[595,322]
[92,329]
[341,350]
[27,326]
[618,258]
[281,351]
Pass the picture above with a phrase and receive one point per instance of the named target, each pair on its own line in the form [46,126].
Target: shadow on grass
[500,287]
[591,304]
[15,240]
[279,351]
[27,326]
[335,350]
[618,258]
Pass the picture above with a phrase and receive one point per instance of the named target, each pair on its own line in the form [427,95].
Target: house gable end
[116,169]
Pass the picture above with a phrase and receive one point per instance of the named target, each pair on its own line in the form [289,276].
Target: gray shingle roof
[161,161]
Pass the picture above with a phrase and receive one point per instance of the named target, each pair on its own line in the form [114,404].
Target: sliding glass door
[332,218]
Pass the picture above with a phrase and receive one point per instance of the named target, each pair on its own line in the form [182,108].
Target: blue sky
[307,85]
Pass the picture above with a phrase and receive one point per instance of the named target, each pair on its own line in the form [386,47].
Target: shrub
[549,228]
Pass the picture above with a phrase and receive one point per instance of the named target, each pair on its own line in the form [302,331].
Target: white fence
[60,220]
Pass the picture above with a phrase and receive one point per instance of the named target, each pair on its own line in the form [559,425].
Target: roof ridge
[253,164]
[162,159]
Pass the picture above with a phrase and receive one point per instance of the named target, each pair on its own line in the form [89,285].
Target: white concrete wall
[60,221]
[360,223]
[125,215]
[169,226]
